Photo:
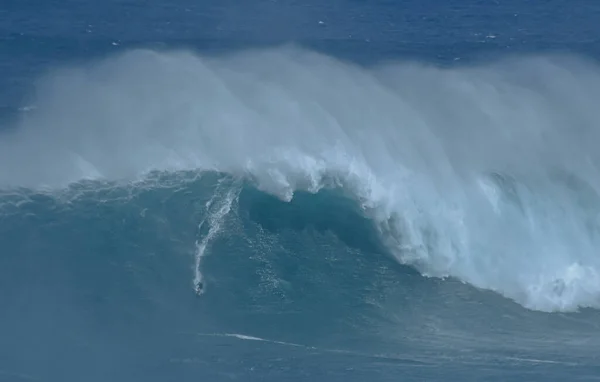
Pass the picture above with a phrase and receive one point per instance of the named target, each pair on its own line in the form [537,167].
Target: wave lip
[487,173]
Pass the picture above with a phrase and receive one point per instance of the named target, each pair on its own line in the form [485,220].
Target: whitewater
[485,173]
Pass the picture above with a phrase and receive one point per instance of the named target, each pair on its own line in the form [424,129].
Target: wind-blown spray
[485,173]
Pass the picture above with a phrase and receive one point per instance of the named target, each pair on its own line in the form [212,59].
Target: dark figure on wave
[199,288]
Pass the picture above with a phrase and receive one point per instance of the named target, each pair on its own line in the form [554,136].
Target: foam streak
[217,209]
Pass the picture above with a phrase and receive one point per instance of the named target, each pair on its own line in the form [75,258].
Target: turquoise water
[283,191]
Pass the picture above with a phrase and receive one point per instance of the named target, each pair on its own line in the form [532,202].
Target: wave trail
[217,208]
[486,173]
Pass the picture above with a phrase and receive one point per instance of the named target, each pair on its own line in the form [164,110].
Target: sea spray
[486,173]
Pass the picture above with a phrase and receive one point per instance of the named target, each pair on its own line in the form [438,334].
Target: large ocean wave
[487,174]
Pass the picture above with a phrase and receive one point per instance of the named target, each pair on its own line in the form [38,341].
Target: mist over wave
[485,173]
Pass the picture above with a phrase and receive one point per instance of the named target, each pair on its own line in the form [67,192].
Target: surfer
[199,288]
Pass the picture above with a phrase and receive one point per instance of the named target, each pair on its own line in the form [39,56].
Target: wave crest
[456,167]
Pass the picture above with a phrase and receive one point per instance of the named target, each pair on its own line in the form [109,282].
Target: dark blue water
[278,190]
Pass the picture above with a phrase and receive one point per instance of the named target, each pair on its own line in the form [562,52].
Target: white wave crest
[486,173]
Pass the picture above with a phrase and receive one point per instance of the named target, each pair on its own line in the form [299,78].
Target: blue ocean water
[280,190]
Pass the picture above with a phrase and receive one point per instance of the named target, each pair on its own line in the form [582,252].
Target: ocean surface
[296,191]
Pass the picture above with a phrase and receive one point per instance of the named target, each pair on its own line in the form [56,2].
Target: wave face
[487,174]
[111,273]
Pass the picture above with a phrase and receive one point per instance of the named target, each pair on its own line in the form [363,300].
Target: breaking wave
[487,173]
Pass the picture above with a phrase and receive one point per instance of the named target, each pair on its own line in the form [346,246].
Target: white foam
[252,338]
[486,173]
[413,361]
[217,209]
